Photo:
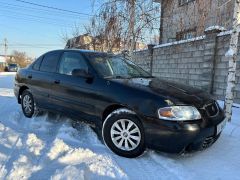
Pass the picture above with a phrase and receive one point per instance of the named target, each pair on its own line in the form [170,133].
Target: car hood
[174,93]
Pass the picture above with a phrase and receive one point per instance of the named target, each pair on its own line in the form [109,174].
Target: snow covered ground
[47,147]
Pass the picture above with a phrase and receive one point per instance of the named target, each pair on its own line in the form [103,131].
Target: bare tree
[20,58]
[232,55]
[123,22]
[75,31]
[105,31]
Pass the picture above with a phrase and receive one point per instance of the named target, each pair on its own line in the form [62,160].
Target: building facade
[184,19]
[4,61]
[99,44]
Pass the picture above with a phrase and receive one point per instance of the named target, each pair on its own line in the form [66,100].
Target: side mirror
[81,73]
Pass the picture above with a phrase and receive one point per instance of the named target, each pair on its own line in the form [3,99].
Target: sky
[34,29]
[31,26]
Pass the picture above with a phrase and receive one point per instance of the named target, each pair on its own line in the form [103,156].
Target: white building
[3,61]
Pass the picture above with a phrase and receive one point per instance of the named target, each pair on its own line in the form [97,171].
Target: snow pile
[34,144]
[6,92]
[181,42]
[47,147]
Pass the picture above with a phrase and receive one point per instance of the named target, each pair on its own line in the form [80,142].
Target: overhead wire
[52,7]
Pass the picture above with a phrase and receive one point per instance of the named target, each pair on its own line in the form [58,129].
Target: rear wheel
[123,133]
[27,103]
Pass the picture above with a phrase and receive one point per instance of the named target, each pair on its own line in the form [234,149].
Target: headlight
[179,113]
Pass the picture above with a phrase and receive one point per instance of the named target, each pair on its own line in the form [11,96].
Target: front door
[71,93]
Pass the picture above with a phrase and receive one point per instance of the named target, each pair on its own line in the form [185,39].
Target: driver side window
[71,61]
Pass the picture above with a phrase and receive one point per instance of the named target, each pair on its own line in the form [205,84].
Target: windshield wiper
[116,77]
[142,76]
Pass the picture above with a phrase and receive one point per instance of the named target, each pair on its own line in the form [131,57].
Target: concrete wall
[199,62]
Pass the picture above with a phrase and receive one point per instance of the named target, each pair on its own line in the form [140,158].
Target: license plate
[221,126]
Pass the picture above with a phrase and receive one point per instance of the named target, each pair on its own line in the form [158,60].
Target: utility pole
[232,56]
[5,48]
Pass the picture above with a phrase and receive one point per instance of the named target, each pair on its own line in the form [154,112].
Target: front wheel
[27,103]
[123,133]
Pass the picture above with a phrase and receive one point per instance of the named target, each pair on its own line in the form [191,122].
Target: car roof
[81,51]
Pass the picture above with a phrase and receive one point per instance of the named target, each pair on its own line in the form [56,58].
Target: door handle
[57,81]
[29,76]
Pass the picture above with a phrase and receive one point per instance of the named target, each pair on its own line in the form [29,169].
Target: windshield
[12,65]
[110,66]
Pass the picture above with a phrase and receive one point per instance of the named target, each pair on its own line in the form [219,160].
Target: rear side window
[50,61]
[37,63]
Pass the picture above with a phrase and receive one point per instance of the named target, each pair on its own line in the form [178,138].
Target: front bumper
[16,92]
[176,137]
[12,69]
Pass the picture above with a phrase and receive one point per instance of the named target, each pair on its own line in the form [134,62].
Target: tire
[127,142]
[27,102]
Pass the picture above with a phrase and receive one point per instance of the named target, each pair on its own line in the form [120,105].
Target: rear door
[42,77]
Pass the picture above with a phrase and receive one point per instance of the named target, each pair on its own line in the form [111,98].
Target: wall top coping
[224,33]
[181,42]
[214,28]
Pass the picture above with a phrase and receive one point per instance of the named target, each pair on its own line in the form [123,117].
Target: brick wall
[198,62]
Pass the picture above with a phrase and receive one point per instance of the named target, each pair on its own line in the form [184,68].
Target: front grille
[212,109]
[208,142]
[202,144]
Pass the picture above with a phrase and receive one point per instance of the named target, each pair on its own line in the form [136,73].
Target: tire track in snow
[28,129]
[172,165]
[3,165]
[47,128]
[144,167]
[22,163]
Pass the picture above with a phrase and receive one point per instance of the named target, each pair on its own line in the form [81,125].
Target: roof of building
[2,59]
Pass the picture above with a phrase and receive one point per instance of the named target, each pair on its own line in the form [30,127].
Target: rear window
[37,63]
[50,61]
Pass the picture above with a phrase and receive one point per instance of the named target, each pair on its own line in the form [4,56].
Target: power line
[38,20]
[5,47]
[34,16]
[17,28]
[55,8]
[23,44]
[49,12]
[31,47]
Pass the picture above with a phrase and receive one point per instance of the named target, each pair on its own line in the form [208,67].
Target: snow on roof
[220,28]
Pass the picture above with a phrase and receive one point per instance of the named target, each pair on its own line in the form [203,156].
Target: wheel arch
[108,110]
[23,88]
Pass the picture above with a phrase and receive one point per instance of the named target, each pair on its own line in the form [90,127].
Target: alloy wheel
[125,134]
[27,104]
